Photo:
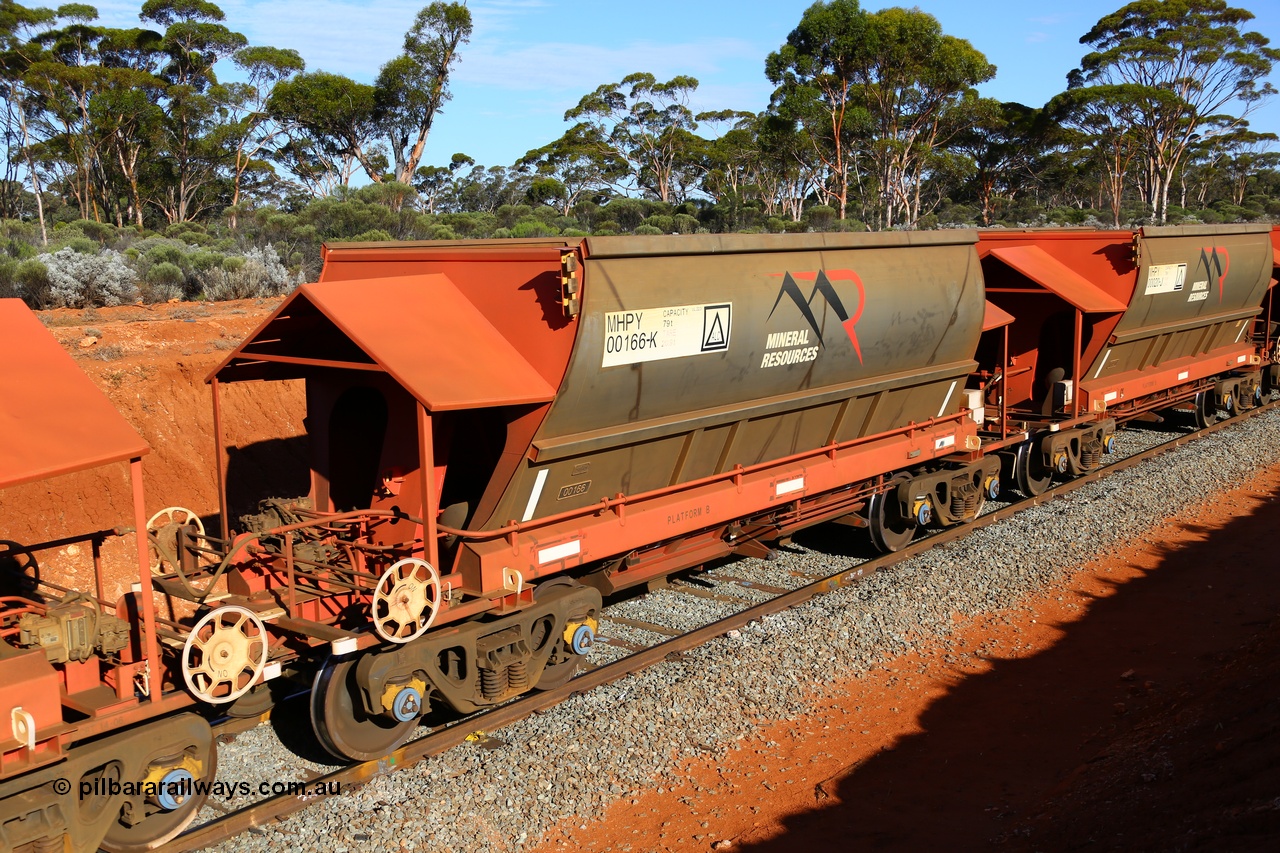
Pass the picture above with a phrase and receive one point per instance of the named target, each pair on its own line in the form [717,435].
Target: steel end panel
[53,419]
[420,330]
[1056,277]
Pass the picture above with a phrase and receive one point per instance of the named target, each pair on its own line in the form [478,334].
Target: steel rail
[454,734]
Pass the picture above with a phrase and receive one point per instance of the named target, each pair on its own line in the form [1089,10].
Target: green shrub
[8,286]
[530,227]
[627,212]
[168,254]
[820,217]
[665,224]
[83,245]
[100,232]
[373,235]
[202,260]
[31,280]
[164,281]
[958,214]
[684,223]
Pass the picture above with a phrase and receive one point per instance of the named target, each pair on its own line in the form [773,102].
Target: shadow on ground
[1150,725]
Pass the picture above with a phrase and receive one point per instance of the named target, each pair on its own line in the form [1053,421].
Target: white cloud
[563,66]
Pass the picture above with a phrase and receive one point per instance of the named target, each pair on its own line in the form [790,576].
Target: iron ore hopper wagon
[503,432]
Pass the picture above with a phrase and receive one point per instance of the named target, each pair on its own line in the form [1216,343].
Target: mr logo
[1215,261]
[823,287]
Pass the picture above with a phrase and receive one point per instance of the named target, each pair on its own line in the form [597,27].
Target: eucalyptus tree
[127,111]
[791,166]
[331,124]
[18,26]
[645,123]
[1246,155]
[187,160]
[252,131]
[816,73]
[62,79]
[732,158]
[1001,142]
[577,166]
[432,183]
[888,83]
[1176,72]
[1101,121]
[412,88]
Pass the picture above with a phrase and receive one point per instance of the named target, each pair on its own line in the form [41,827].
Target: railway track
[669,643]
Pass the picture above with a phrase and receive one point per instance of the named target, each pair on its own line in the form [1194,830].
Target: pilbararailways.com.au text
[182,789]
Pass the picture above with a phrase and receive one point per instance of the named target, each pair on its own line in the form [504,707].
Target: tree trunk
[35,177]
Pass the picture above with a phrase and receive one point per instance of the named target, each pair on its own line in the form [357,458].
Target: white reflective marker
[559,552]
[537,493]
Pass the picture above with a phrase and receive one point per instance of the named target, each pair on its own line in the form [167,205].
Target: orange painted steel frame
[57,422]
[1096,275]
[626,523]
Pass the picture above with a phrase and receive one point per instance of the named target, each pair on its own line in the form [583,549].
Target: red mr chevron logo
[822,286]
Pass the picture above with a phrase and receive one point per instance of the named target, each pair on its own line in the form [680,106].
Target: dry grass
[109,352]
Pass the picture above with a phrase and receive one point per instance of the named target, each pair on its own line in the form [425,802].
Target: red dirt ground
[1135,707]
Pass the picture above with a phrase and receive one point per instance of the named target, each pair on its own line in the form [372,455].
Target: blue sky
[530,60]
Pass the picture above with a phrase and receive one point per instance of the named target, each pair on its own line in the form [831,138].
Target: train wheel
[890,530]
[173,810]
[19,571]
[1237,403]
[569,655]
[339,719]
[258,701]
[1030,472]
[1205,410]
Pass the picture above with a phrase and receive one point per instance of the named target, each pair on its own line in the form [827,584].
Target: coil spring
[518,676]
[964,504]
[1090,457]
[47,845]
[493,682]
